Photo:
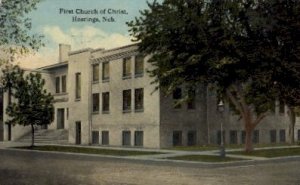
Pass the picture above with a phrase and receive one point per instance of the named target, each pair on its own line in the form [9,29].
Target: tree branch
[258,119]
[241,96]
[234,101]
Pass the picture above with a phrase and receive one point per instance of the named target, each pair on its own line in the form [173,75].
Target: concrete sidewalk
[157,157]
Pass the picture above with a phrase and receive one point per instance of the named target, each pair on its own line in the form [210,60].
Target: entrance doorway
[60,118]
[78,133]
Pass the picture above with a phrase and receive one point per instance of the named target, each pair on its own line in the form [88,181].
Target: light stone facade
[158,124]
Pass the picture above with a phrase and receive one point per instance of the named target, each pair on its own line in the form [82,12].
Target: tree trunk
[9,95]
[32,135]
[248,142]
[238,100]
[292,118]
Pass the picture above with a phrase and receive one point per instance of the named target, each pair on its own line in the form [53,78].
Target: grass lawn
[86,150]
[217,147]
[205,158]
[271,152]
[194,148]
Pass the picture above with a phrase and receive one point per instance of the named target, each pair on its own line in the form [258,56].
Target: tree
[15,36]
[230,44]
[32,104]
[284,14]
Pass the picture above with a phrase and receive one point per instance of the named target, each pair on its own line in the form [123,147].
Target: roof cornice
[116,53]
[60,64]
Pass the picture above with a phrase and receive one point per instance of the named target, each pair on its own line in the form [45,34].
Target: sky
[53,19]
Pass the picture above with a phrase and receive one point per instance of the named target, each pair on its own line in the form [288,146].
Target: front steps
[59,136]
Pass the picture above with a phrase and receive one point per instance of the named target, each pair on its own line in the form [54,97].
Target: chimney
[64,50]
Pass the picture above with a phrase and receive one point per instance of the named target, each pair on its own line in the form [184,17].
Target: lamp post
[222,147]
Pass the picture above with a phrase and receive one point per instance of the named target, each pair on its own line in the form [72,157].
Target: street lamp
[221,111]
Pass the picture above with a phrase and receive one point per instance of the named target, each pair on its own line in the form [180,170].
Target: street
[36,168]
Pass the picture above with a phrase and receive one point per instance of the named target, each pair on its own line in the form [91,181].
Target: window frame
[95,103]
[95,73]
[127,104]
[273,136]
[105,102]
[219,140]
[139,100]
[177,97]
[64,83]
[57,84]
[105,73]
[139,73]
[138,143]
[191,102]
[282,136]
[233,137]
[255,136]
[95,141]
[126,63]
[77,86]
[192,142]
[176,142]
[126,141]
[106,134]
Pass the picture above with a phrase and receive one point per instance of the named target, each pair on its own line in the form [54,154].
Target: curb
[158,161]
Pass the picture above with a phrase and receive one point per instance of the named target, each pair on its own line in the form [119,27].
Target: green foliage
[15,27]
[250,48]
[32,104]
[270,153]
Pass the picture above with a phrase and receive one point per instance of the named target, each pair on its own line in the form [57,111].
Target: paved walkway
[157,157]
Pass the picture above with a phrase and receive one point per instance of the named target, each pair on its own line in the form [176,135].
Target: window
[298,135]
[105,137]
[78,86]
[219,137]
[255,137]
[78,132]
[105,102]
[95,72]
[176,97]
[57,84]
[282,135]
[177,138]
[105,71]
[138,138]
[126,138]
[127,100]
[191,104]
[233,137]
[281,107]
[127,67]
[191,138]
[273,136]
[139,66]
[64,83]
[96,102]
[95,137]
[139,99]
[243,137]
